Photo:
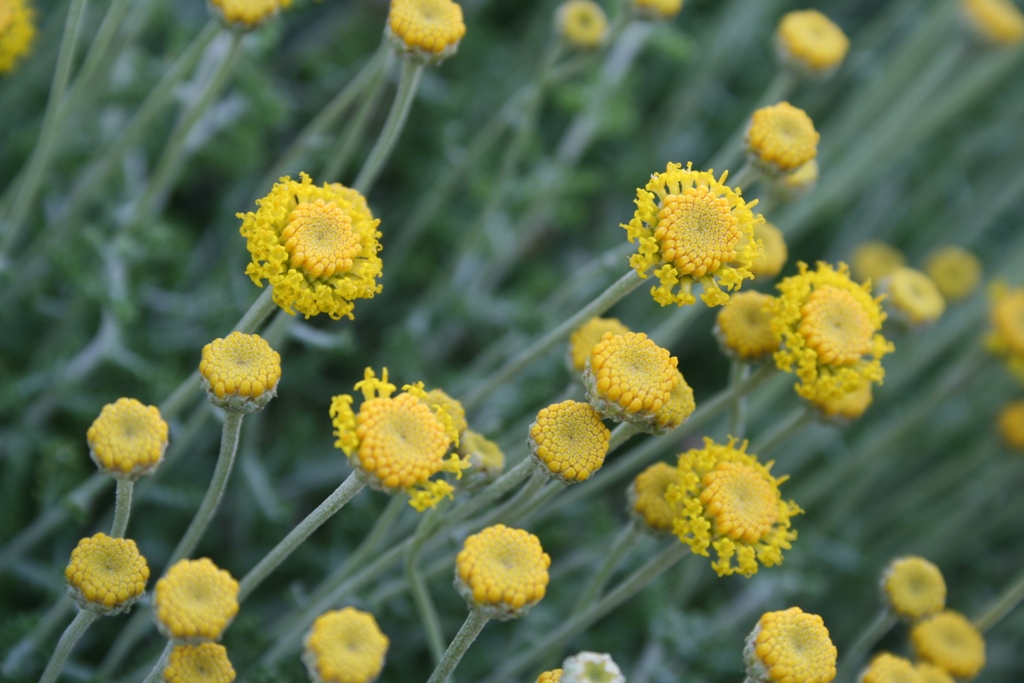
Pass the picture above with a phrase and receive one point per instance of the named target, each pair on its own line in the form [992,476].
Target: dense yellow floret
[811,42]
[996,21]
[569,440]
[17,32]
[775,254]
[913,588]
[847,407]
[502,572]
[674,412]
[315,246]
[658,9]
[585,337]
[690,228]
[932,674]
[1006,338]
[553,676]
[128,439]
[955,271]
[345,646]
[888,668]
[240,372]
[581,23]
[485,456]
[647,501]
[913,296]
[781,138]
[790,646]
[429,29]
[195,601]
[1011,425]
[950,641]
[874,260]
[106,575]
[744,326]
[247,14]
[452,407]
[203,663]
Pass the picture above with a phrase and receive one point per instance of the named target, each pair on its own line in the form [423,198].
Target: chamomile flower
[950,641]
[790,646]
[569,440]
[647,502]
[999,22]
[240,372]
[17,32]
[1006,338]
[585,337]
[502,572]
[591,667]
[955,271]
[428,30]
[888,668]
[743,327]
[781,138]
[912,297]
[657,9]
[106,575]
[874,260]
[203,663]
[810,42]
[128,439]
[247,14]
[913,588]
[1011,425]
[195,601]
[581,23]
[345,646]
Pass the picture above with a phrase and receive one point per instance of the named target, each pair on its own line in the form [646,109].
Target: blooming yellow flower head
[913,587]
[1006,338]
[657,9]
[799,181]
[874,260]
[956,272]
[553,676]
[485,458]
[581,23]
[106,575]
[128,439]
[428,30]
[808,41]
[647,503]
[1011,425]
[888,668]
[790,646]
[569,440]
[770,263]
[345,646]
[995,21]
[829,328]
[502,572]
[950,641]
[932,674]
[398,442]
[451,406]
[17,31]
[781,138]
[246,14]
[205,663]
[240,372]
[846,408]
[316,246]
[195,601]
[676,411]
[690,228]
[744,326]
[583,340]
[725,499]
[913,297]
[591,667]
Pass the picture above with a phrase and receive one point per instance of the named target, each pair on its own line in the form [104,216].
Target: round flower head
[956,272]
[657,9]
[502,572]
[913,587]
[246,14]
[106,575]
[316,246]
[888,668]
[932,674]
[790,646]
[874,260]
[240,372]
[690,228]
[452,407]
[569,440]
[427,30]
[398,442]
[128,439]
[1007,336]
[809,42]
[206,663]
[195,601]
[485,458]
[647,503]
[844,409]
[583,340]
[725,499]
[581,23]
[781,138]
[17,31]
[553,676]
[770,263]
[676,411]
[744,326]
[994,21]
[591,667]
[799,181]
[829,328]
[345,646]
[1011,425]
[950,641]
[913,297]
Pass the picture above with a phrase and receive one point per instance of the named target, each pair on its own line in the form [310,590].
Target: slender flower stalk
[739,371]
[75,630]
[1002,605]
[156,674]
[784,430]
[418,587]
[623,543]
[853,657]
[122,507]
[340,158]
[471,628]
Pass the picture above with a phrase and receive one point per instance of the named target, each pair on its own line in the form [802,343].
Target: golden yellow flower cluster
[781,138]
[553,676]
[647,502]
[502,572]
[790,646]
[995,21]
[913,297]
[775,253]
[581,23]
[1011,425]
[195,601]
[106,575]
[128,439]
[845,408]
[874,260]
[744,326]
[345,646]
[888,668]
[585,337]
[569,440]
[429,30]
[17,31]
[206,662]
[810,42]
[247,14]
[913,588]
[951,642]
[955,271]
[657,9]
[240,372]
[485,457]
[1006,338]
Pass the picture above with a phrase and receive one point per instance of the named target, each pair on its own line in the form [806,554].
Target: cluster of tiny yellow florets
[955,271]
[770,263]
[781,138]
[1007,336]
[951,642]
[485,457]
[874,260]
[690,228]
[502,572]
[995,21]
[553,676]
[569,440]
[240,372]
[195,601]
[205,662]
[345,646]
[930,673]
[585,337]
[428,29]
[845,408]
[106,575]
[725,499]
[744,326]
[913,588]
[811,42]
[17,31]
[452,408]
[913,297]
[888,668]
[646,495]
[128,439]
[247,14]
[1011,425]
[581,23]
[790,646]
[315,246]
[657,9]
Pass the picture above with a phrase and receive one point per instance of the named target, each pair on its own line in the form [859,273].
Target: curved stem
[745,177]
[418,587]
[355,130]
[156,674]
[122,507]
[785,430]
[1001,606]
[621,434]
[853,656]
[627,538]
[739,371]
[67,642]
[475,622]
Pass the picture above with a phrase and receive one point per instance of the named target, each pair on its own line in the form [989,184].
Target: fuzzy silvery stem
[122,507]
[418,587]
[1001,606]
[156,674]
[853,657]
[355,130]
[475,622]
[67,642]
[739,371]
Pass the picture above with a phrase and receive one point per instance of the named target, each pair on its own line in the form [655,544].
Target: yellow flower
[128,439]
[17,31]
[956,272]
[195,601]
[799,181]
[994,21]
[203,663]
[913,296]
[583,340]
[345,646]
[484,456]
[1007,336]
[657,9]
[581,23]
[887,668]
[790,646]
[846,408]
[647,502]
[690,227]
[932,674]
[913,588]
[316,246]
[553,676]
[744,326]
[591,667]
[240,372]
[874,260]
[452,407]
[725,499]
[781,138]
[106,575]
[1011,425]
[676,411]
[829,326]
[398,443]
[810,42]
[770,263]
[950,641]
[569,440]
[502,572]
[429,30]
[247,14]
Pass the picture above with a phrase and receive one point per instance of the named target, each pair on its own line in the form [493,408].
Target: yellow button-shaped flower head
[775,251]
[723,498]
[106,575]
[810,42]
[933,674]
[657,9]
[240,372]
[1011,425]
[744,326]
[999,22]
[913,587]
[585,337]
[950,641]
[1006,338]
[888,668]
[553,676]
[316,246]
[569,440]
[17,31]
[647,503]
[581,23]
[591,667]
[345,646]
[246,14]
[829,328]
[690,228]
[790,646]
[128,439]
[676,411]
[955,271]
[502,572]
[486,460]
[846,408]
[913,297]
[874,260]
[195,601]
[202,663]
[781,138]
[452,407]
[427,30]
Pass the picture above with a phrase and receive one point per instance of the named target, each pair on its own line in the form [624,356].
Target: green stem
[853,657]
[67,642]
[355,130]
[418,587]
[745,177]
[784,431]
[1001,606]
[471,628]
[620,435]
[780,88]
[156,674]
[122,507]
[739,371]
[627,538]
[98,54]
[516,507]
